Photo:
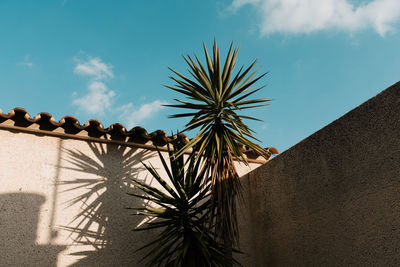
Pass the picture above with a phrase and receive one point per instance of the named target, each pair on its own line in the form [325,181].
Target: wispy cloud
[307,16]
[94,68]
[26,62]
[99,98]
[132,116]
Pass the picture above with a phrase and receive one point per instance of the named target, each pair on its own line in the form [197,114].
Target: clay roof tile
[94,128]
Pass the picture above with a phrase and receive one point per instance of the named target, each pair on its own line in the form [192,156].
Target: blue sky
[108,59]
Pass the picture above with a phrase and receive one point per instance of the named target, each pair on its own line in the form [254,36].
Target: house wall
[334,198]
[331,200]
[63,201]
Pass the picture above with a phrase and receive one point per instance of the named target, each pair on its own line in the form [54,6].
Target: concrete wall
[62,201]
[334,198]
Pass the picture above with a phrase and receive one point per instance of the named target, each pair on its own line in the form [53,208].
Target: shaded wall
[63,201]
[334,198]
[18,232]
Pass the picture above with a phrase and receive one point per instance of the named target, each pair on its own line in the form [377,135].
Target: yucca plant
[181,210]
[215,95]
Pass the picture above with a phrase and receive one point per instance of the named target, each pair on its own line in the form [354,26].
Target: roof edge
[18,119]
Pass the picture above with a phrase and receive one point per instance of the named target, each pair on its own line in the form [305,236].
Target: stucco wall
[62,201]
[331,200]
[334,198]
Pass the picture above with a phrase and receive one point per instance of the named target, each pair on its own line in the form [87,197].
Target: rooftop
[43,123]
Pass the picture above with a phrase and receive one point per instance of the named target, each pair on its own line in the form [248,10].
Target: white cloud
[97,101]
[26,63]
[132,116]
[306,16]
[98,98]
[94,68]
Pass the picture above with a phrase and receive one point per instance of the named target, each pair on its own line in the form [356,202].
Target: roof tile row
[93,128]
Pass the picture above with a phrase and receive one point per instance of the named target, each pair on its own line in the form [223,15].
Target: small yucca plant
[181,210]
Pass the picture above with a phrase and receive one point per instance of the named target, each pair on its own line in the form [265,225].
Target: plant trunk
[226,190]
[228,251]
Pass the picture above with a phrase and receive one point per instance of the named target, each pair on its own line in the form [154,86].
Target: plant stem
[228,251]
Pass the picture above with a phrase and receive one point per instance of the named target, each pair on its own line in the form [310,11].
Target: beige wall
[62,201]
[334,198]
[331,200]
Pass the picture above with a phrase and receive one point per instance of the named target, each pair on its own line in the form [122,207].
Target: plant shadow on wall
[101,224]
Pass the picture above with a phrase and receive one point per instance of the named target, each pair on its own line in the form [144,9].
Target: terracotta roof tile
[70,125]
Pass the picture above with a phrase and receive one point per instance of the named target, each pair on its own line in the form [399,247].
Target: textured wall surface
[62,201]
[334,198]
[331,200]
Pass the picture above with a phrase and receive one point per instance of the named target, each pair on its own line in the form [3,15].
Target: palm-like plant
[215,95]
[181,211]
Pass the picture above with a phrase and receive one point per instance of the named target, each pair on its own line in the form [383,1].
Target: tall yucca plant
[214,96]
